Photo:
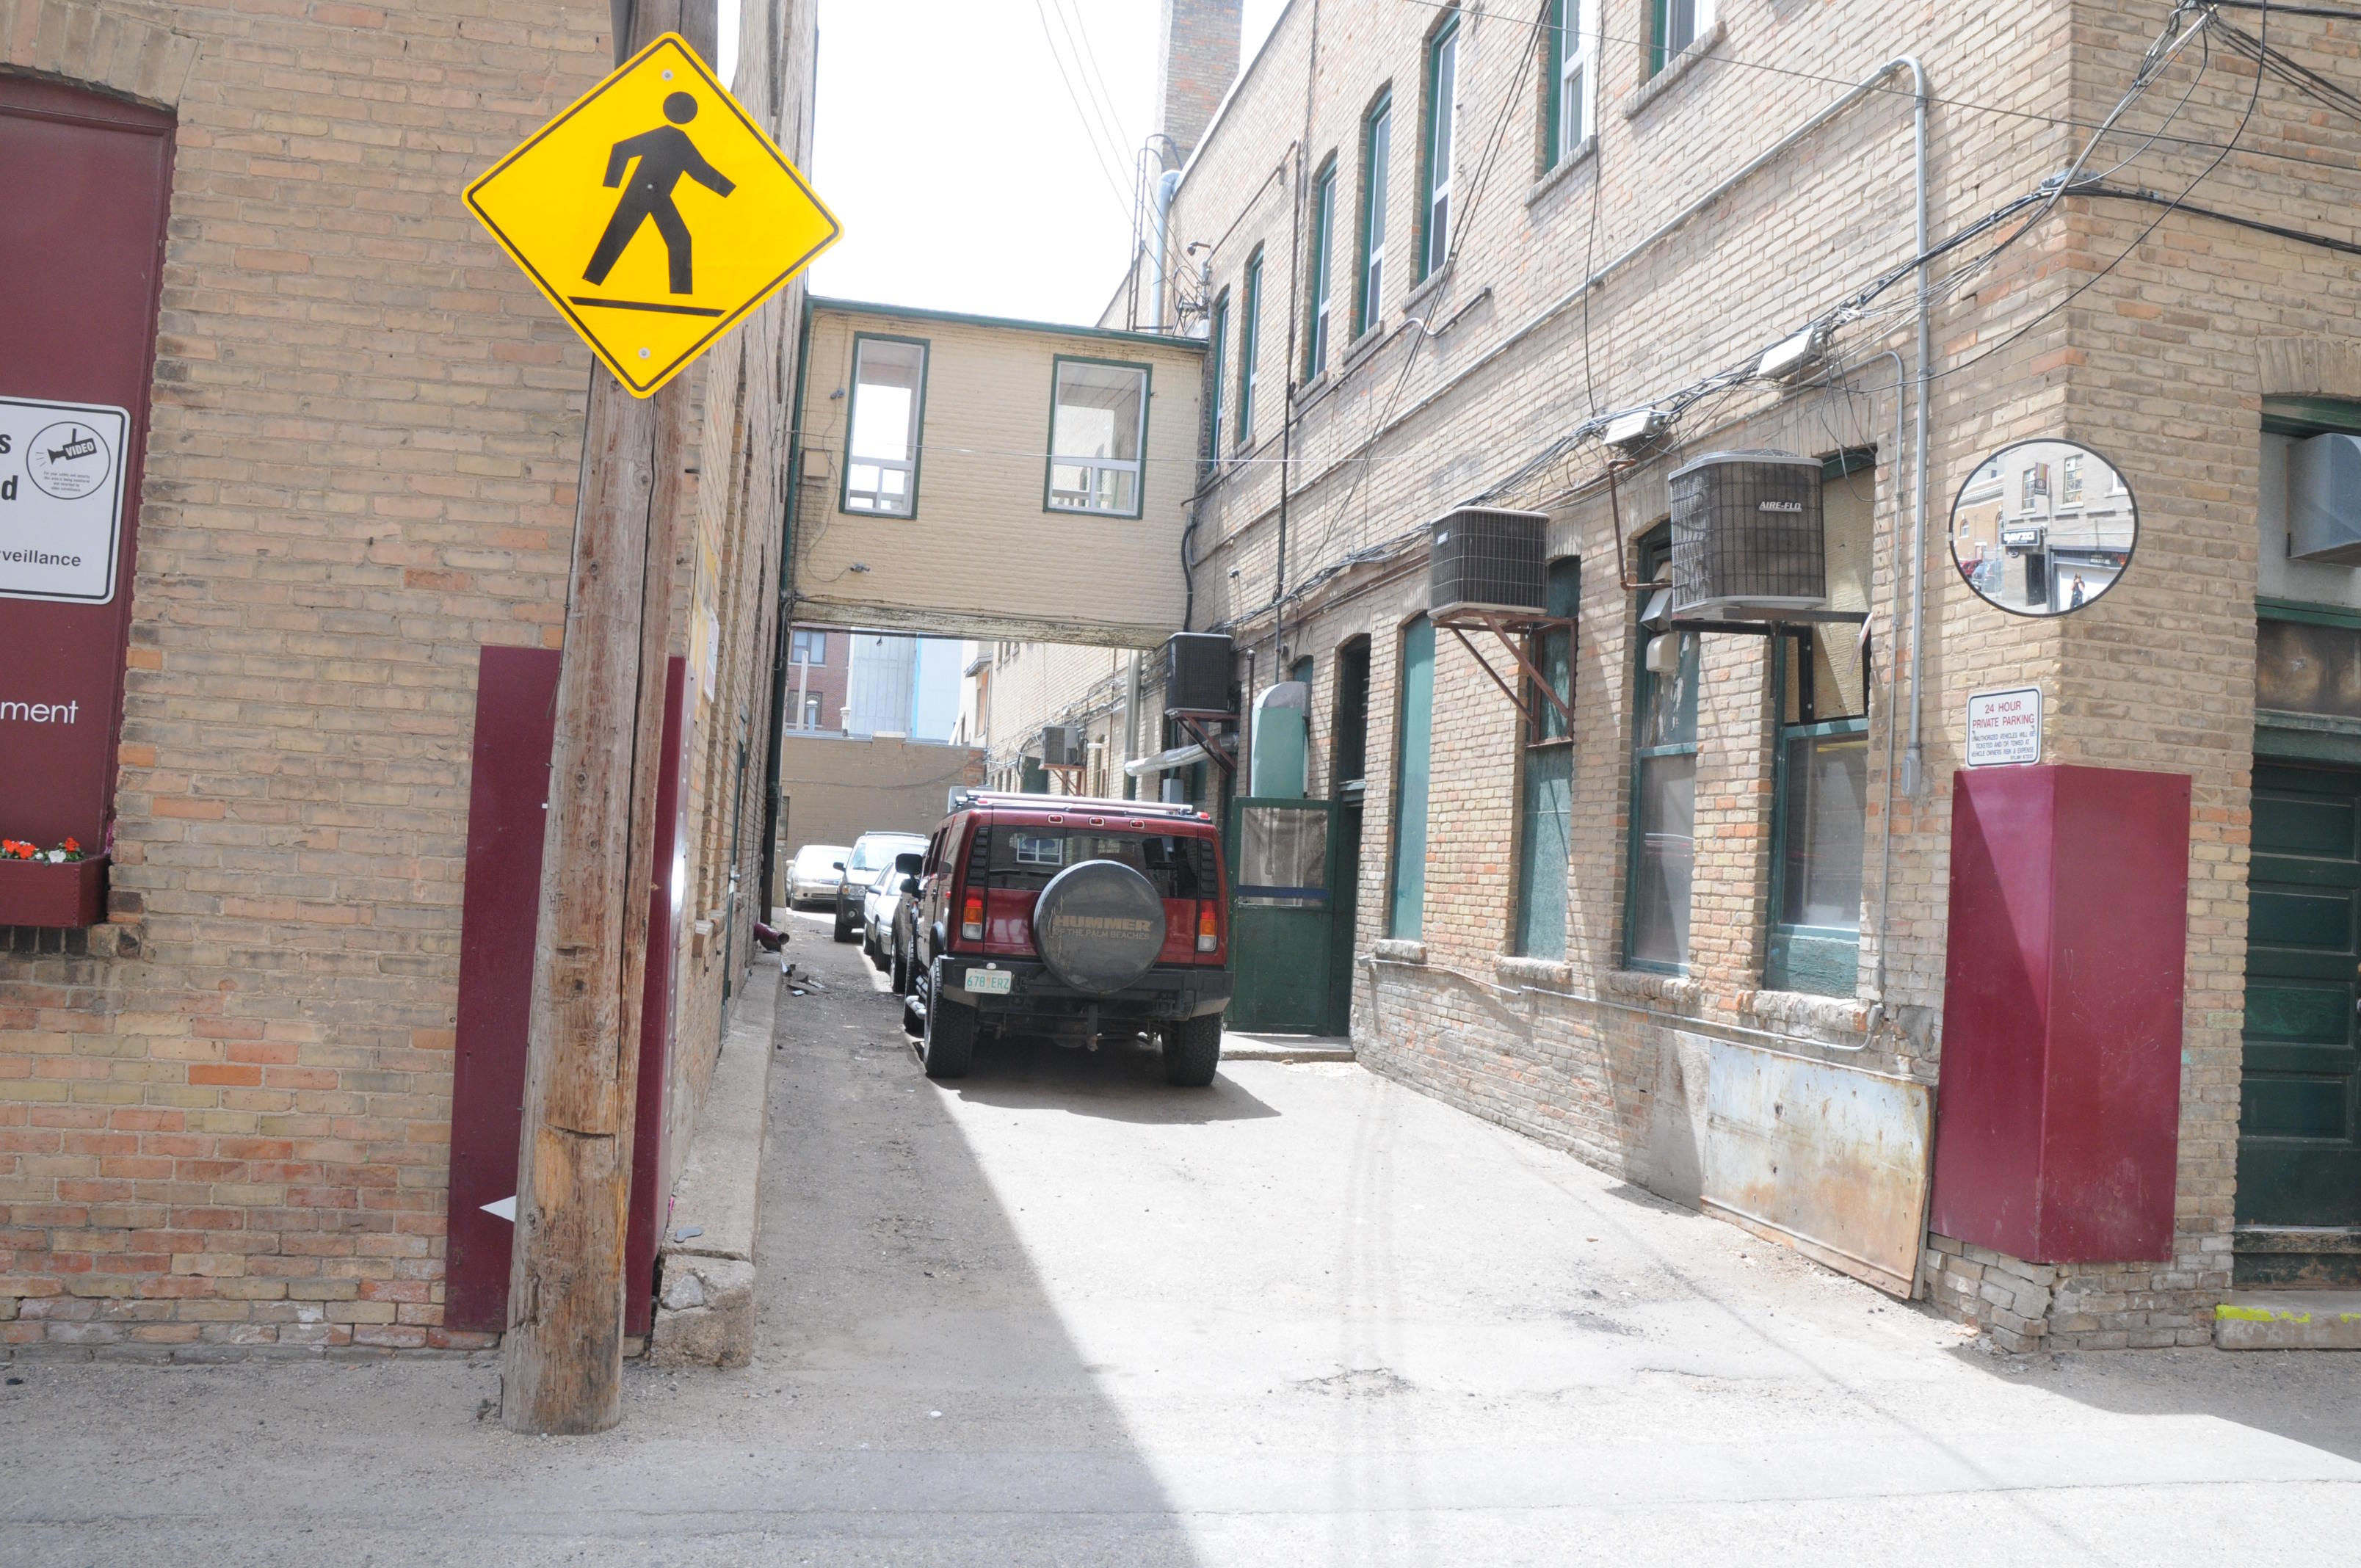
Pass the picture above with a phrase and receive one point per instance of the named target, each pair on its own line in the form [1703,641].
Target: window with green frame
[1098,436]
[883,425]
[1819,811]
[1370,274]
[1414,738]
[1250,346]
[1436,148]
[1217,358]
[1673,25]
[1568,90]
[1546,782]
[1663,852]
[1323,260]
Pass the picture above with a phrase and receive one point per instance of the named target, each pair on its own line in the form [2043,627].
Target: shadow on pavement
[2312,1397]
[1118,1082]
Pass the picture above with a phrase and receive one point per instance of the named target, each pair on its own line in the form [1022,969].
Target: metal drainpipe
[1912,783]
[1166,184]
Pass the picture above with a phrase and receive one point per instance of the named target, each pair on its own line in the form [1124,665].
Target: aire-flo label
[61,500]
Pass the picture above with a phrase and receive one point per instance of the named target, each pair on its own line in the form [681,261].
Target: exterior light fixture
[1786,359]
[1635,427]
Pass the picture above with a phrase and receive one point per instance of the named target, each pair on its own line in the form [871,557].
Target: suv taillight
[1209,933]
[972,919]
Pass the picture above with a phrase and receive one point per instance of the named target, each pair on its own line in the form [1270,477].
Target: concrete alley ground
[1058,1312]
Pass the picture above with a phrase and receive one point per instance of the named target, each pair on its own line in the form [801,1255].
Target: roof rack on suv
[963,800]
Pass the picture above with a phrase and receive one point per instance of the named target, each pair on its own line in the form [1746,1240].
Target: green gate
[1280,910]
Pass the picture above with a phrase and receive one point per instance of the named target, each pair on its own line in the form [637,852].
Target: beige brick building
[226,1110]
[1624,221]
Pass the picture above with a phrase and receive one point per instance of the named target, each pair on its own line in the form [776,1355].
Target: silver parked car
[872,853]
[881,906]
[813,874]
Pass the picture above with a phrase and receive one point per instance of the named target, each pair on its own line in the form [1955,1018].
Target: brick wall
[225,1114]
[2159,362]
[1196,61]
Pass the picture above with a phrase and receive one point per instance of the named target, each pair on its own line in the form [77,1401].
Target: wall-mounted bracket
[1214,748]
[1513,630]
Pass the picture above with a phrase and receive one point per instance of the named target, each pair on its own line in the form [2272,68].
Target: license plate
[989,982]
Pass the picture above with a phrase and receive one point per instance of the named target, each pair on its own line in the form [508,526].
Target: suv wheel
[844,925]
[949,1044]
[1192,1049]
[901,967]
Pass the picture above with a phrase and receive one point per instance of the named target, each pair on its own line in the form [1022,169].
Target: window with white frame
[1098,429]
[1442,112]
[889,393]
[1574,25]
[1216,403]
[1249,348]
[1673,25]
[1323,230]
[1377,149]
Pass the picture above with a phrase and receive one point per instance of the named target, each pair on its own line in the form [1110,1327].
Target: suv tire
[844,927]
[1192,1049]
[901,967]
[948,1046]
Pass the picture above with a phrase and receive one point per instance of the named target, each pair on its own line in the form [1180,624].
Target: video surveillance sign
[61,500]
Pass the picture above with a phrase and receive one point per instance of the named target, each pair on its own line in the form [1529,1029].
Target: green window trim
[1368,270]
[1437,137]
[1413,746]
[1049,466]
[1666,19]
[1220,365]
[1249,348]
[2310,416]
[1544,844]
[2307,613]
[1557,145]
[1822,960]
[917,424]
[1322,261]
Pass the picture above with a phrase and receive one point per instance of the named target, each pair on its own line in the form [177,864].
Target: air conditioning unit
[1061,746]
[1485,559]
[2323,500]
[1197,672]
[1749,543]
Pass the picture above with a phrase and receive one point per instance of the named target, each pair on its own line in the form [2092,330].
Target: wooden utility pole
[562,1356]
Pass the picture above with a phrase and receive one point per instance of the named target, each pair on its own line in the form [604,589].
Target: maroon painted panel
[2058,1131]
[650,1153]
[516,718]
[516,696]
[81,234]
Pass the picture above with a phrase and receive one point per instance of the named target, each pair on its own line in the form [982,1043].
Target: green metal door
[2300,1117]
[1280,910]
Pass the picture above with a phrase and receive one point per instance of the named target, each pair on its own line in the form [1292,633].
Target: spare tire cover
[1099,926]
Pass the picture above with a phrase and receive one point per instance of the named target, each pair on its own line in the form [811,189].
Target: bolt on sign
[655,214]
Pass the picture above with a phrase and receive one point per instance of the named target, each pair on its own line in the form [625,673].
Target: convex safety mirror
[2043,527]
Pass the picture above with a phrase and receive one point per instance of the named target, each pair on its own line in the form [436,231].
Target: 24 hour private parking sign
[61,500]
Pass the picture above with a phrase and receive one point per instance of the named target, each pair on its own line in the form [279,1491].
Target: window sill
[1677,988]
[1840,1021]
[1399,952]
[1680,65]
[1426,292]
[1538,974]
[1360,348]
[1553,179]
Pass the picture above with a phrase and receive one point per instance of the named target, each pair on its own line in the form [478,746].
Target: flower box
[71,894]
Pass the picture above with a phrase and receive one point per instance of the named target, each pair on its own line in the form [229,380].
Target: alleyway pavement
[1061,1313]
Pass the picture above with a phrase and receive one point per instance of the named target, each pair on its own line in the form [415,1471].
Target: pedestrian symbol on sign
[659,146]
[665,155]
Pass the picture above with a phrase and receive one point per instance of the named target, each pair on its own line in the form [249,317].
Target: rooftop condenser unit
[1061,746]
[1486,559]
[1197,672]
[1748,538]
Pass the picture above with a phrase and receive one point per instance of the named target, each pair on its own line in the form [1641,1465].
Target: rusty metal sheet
[1829,1157]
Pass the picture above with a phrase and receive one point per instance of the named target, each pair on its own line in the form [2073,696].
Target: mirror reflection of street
[2043,527]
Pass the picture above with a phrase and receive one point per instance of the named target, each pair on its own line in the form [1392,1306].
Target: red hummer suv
[1077,918]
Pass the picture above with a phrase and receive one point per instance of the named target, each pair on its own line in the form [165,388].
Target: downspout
[771,759]
[1912,783]
[1166,184]
[1287,413]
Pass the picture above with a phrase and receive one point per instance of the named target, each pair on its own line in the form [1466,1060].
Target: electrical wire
[1098,154]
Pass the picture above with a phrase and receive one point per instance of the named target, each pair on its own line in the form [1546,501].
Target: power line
[1098,154]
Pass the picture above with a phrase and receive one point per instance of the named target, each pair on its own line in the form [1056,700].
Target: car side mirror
[909,887]
[909,863]
[836,865]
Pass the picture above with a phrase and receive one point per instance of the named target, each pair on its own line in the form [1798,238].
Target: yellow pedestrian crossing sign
[653,214]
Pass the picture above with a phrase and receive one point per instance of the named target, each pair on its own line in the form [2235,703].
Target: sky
[970,170]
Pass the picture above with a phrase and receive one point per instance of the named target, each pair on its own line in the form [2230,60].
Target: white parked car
[813,874]
[882,902]
[872,853]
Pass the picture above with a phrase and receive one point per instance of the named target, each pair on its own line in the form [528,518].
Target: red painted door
[86,189]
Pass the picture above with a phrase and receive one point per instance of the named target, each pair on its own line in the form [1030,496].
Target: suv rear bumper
[1164,992]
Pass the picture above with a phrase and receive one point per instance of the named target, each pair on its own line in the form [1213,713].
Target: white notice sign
[61,500]
[2004,728]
